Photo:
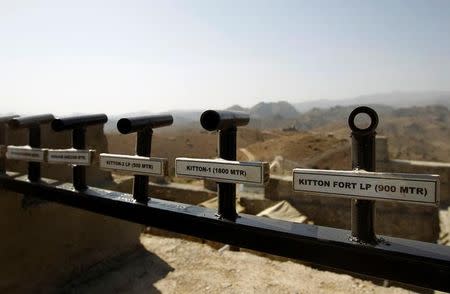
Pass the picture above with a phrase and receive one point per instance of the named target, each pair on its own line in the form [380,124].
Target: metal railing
[357,250]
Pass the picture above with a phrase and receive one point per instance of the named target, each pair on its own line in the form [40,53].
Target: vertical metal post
[34,140]
[4,139]
[363,157]
[143,148]
[79,171]
[227,191]
[2,142]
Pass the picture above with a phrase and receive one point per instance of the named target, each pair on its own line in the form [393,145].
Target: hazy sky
[123,56]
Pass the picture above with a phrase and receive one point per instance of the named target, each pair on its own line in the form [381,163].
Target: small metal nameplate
[26,153]
[414,188]
[139,165]
[70,156]
[223,170]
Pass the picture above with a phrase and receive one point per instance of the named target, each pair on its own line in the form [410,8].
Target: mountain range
[395,99]
[305,115]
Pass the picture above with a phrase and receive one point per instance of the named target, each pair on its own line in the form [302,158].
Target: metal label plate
[223,170]
[69,156]
[26,153]
[139,165]
[414,188]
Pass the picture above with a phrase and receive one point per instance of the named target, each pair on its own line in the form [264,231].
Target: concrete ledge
[51,242]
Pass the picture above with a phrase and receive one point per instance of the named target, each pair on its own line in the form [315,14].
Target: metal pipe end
[124,126]
[210,120]
[373,120]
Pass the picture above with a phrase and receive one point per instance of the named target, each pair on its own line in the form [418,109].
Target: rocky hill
[269,114]
[272,110]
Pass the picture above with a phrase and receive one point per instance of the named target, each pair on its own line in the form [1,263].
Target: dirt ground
[173,265]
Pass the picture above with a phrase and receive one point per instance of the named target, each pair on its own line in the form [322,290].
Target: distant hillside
[269,114]
[280,109]
[393,99]
[420,133]
[317,117]
[238,108]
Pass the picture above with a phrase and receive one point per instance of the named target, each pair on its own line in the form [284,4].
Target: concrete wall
[43,245]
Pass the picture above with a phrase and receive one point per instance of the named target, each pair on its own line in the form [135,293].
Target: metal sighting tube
[78,125]
[144,126]
[363,157]
[3,139]
[226,122]
[80,121]
[213,120]
[143,148]
[79,171]
[30,121]
[138,123]
[34,138]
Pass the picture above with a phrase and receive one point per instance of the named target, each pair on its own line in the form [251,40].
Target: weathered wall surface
[45,244]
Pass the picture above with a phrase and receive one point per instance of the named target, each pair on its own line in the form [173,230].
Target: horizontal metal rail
[412,262]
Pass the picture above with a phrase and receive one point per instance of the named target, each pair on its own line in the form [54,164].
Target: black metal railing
[357,250]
